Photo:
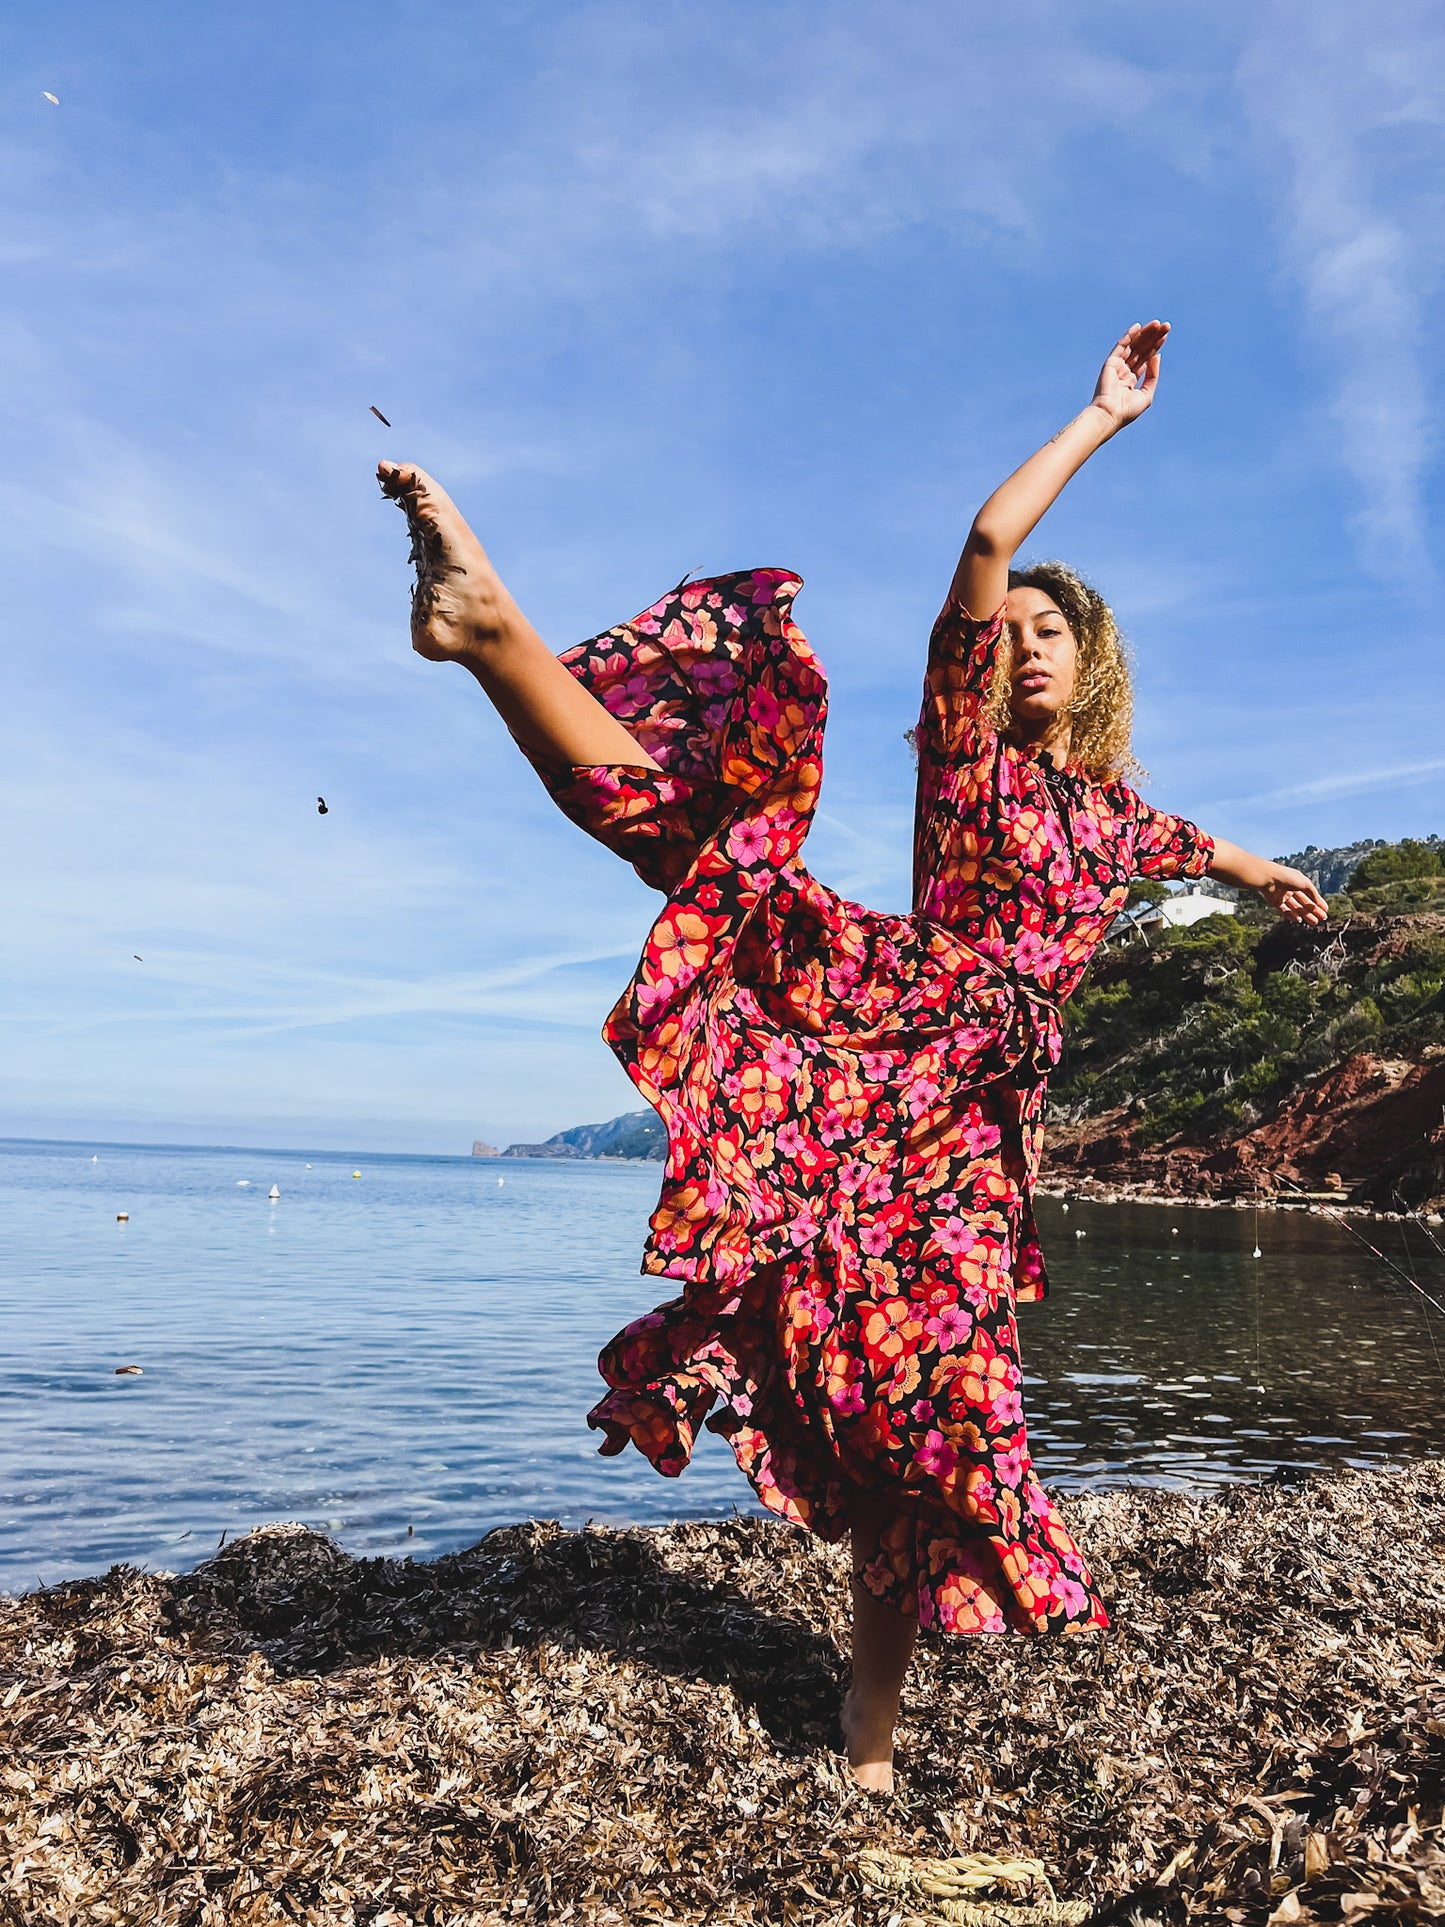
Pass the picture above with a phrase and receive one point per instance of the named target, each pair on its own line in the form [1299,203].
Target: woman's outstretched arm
[1290,891]
[1125,388]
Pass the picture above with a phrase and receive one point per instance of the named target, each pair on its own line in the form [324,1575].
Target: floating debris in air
[50,97]
[321,809]
[377,412]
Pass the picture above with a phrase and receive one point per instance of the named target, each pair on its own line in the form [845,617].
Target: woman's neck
[1054,735]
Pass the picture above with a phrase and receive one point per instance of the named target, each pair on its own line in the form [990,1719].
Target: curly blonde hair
[1102,711]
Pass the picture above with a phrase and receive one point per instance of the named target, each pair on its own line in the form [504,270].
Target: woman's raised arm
[1123,391]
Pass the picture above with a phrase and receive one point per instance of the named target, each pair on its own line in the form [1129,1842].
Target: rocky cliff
[1231,1057]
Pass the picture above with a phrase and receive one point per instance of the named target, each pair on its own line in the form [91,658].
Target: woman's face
[1045,659]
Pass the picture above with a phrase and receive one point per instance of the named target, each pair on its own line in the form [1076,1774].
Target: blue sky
[652,287]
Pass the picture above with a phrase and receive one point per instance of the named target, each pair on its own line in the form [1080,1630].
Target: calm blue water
[416,1348]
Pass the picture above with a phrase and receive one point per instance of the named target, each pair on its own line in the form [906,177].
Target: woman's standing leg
[883,1641]
[462,612]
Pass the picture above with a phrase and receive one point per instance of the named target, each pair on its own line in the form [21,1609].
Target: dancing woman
[853,1101]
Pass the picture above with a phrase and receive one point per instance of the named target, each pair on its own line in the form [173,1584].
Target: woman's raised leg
[461,612]
[883,1641]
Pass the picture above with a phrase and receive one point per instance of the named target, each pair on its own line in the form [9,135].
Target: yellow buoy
[122,1217]
[356,1174]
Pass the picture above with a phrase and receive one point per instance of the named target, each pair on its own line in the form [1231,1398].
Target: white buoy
[1173,1231]
[1256,1253]
[501,1181]
[96,1158]
[122,1217]
[308,1167]
[1065,1205]
[274,1193]
[242,1182]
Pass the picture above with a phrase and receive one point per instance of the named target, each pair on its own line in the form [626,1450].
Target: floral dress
[853,1100]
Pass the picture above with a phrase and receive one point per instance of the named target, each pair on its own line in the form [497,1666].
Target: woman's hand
[1129,377]
[1293,895]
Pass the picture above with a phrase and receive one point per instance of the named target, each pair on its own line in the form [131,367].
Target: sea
[401,1351]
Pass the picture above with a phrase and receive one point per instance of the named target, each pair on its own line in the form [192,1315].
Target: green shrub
[1394,862]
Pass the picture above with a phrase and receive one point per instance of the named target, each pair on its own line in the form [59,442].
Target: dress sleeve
[1164,845]
[961,655]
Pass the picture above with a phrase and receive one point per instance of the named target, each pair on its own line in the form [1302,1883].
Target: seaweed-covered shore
[638,1726]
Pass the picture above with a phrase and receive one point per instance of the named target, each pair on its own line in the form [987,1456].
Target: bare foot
[869,1739]
[459,601]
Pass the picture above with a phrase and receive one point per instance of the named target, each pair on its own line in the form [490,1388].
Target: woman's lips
[1031,685]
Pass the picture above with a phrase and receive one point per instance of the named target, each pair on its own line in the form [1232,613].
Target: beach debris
[500,1182]
[274,1192]
[321,809]
[609,1726]
[50,97]
[954,1882]
[379,416]
[95,1157]
[130,1371]
[242,1182]
[122,1217]
[1081,1234]
[308,1167]
[138,959]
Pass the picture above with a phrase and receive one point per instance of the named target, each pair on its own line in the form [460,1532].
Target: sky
[652,287]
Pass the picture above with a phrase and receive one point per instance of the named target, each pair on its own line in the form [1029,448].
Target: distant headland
[635,1135]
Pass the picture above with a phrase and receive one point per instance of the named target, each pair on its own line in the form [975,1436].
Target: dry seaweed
[638,1726]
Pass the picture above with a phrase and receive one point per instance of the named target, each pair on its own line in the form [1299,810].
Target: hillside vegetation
[1209,1036]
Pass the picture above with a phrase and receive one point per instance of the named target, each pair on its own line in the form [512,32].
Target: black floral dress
[853,1100]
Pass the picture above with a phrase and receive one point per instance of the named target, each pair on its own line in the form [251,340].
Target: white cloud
[1349,104]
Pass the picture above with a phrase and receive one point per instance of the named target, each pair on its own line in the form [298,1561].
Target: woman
[853,1101]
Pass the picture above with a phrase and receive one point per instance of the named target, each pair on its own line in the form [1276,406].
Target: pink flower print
[1070,1595]
[1008,1408]
[748,842]
[921,1411]
[789,1140]
[875,1239]
[763,710]
[876,1065]
[954,1234]
[946,1200]
[951,1327]
[936,1456]
[920,1094]
[804,1230]
[977,1296]
[1010,1465]
[831,1126]
[847,1398]
[1029,952]
[783,1057]
[852,1175]
[734,616]
[879,1188]
[716,1194]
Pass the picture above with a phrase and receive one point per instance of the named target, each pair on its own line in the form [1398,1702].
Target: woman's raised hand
[1127,380]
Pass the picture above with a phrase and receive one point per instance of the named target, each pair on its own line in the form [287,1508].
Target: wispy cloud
[1356,782]
[1348,100]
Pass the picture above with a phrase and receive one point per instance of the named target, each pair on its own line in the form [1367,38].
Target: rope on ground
[946,1887]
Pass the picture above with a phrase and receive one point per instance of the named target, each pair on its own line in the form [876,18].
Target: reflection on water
[415,1348]
[1169,1355]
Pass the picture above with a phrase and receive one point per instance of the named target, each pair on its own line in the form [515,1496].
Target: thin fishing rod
[1411,1213]
[1359,1238]
[1429,1326]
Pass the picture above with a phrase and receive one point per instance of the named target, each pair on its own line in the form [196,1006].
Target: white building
[1180,909]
